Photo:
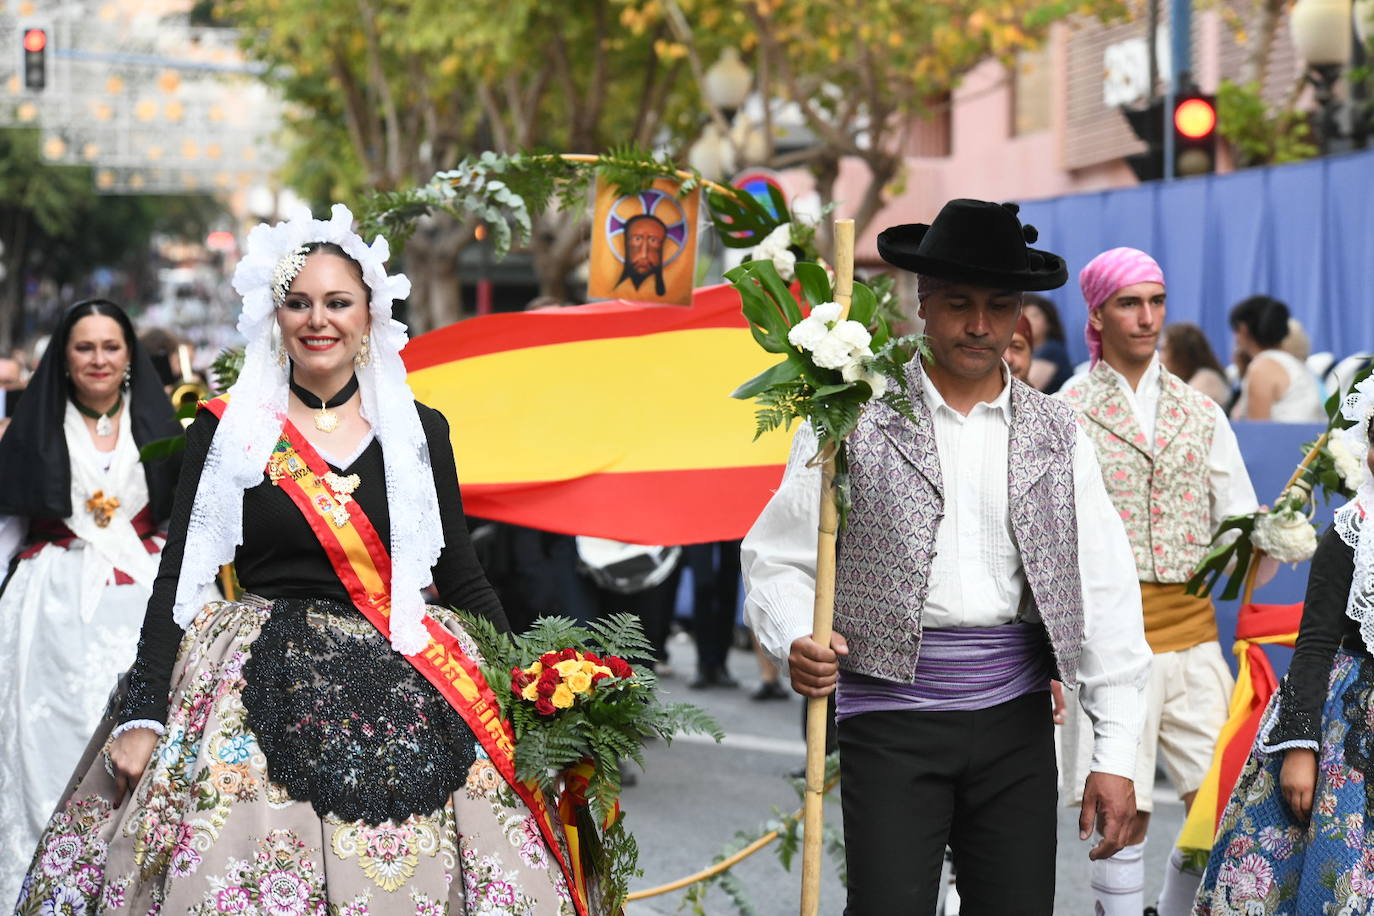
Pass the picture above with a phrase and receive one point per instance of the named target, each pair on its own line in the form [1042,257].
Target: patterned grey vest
[885,551]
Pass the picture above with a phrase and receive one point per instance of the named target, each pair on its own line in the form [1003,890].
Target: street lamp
[733,139]
[1321,33]
[727,82]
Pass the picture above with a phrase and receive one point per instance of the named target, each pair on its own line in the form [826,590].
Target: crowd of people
[166,747]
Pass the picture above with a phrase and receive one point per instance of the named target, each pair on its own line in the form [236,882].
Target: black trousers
[715,585]
[982,782]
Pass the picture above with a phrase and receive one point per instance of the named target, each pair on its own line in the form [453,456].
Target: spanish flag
[1256,625]
[612,419]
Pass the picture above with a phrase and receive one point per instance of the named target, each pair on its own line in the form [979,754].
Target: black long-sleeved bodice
[1324,626]
[280,556]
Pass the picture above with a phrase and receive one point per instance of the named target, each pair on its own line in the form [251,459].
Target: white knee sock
[1118,883]
[1180,887]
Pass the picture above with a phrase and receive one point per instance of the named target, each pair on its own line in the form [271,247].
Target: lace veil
[1351,519]
[252,423]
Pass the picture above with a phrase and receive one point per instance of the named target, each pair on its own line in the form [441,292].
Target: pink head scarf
[1105,274]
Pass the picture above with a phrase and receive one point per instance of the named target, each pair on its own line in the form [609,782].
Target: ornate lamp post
[1321,33]
[733,139]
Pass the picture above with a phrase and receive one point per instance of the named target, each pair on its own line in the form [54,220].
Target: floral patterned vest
[1162,489]
[884,555]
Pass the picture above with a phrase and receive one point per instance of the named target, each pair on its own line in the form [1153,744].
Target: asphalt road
[695,796]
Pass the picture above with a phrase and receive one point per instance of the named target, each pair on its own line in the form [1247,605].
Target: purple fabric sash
[959,668]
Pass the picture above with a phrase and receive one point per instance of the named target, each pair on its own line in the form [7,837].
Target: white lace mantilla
[1358,407]
[253,420]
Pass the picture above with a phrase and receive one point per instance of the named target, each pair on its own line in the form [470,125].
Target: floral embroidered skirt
[1267,862]
[207,831]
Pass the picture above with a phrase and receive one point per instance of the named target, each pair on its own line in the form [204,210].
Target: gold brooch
[102,507]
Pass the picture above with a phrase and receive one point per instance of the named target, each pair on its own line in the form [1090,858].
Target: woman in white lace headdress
[1293,837]
[289,752]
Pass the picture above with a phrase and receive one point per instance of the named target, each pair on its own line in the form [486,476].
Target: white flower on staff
[833,343]
[1348,466]
[1287,536]
[776,247]
[860,369]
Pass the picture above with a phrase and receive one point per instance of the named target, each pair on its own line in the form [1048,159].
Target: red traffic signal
[1195,135]
[35,65]
[1195,118]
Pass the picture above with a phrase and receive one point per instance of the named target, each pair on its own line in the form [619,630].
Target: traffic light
[1195,135]
[1148,125]
[1194,125]
[35,53]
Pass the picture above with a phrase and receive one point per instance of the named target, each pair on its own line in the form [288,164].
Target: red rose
[619,667]
[593,658]
[544,706]
[599,676]
[546,688]
[568,655]
[550,659]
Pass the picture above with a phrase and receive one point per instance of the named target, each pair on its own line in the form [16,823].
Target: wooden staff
[817,708]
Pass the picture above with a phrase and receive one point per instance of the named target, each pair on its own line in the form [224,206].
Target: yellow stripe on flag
[656,402]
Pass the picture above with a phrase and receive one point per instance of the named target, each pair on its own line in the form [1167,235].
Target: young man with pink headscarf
[1174,471]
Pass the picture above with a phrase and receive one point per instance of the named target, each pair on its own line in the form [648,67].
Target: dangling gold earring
[363,358]
[279,352]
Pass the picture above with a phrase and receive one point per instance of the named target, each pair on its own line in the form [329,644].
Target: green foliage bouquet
[577,708]
[834,364]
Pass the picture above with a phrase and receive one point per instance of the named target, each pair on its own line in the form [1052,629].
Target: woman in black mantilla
[80,520]
[290,757]
[1296,836]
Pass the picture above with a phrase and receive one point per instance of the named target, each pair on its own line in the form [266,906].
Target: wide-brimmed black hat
[976,242]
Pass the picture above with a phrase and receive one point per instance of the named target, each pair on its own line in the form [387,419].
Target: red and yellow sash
[362,563]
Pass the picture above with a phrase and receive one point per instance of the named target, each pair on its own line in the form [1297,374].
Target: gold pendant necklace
[326,421]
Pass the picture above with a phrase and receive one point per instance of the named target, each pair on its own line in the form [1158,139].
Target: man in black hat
[982,558]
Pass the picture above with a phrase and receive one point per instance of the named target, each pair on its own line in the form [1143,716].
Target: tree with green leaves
[54,226]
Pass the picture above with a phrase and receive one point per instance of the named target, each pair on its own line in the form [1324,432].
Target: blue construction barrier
[1303,233]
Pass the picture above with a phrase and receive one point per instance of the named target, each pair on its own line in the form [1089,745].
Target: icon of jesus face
[644,237]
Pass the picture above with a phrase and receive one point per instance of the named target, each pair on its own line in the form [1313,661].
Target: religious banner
[644,245]
[612,419]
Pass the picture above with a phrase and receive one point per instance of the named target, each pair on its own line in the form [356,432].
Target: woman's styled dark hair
[1054,328]
[84,309]
[331,248]
[1189,350]
[1265,318]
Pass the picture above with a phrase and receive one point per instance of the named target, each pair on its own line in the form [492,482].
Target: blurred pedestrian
[1276,385]
[1150,428]
[1187,355]
[715,597]
[83,513]
[1018,354]
[1051,366]
[637,579]
[981,557]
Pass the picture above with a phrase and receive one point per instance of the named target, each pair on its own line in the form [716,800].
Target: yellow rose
[602,669]
[579,682]
[536,669]
[530,692]
[567,667]
[562,697]
[587,668]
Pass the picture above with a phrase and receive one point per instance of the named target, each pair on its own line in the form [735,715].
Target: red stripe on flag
[712,307]
[649,507]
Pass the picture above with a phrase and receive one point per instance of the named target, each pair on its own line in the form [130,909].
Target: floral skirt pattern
[206,832]
[1265,861]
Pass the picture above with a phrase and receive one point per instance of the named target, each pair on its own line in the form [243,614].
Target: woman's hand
[129,755]
[1298,781]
